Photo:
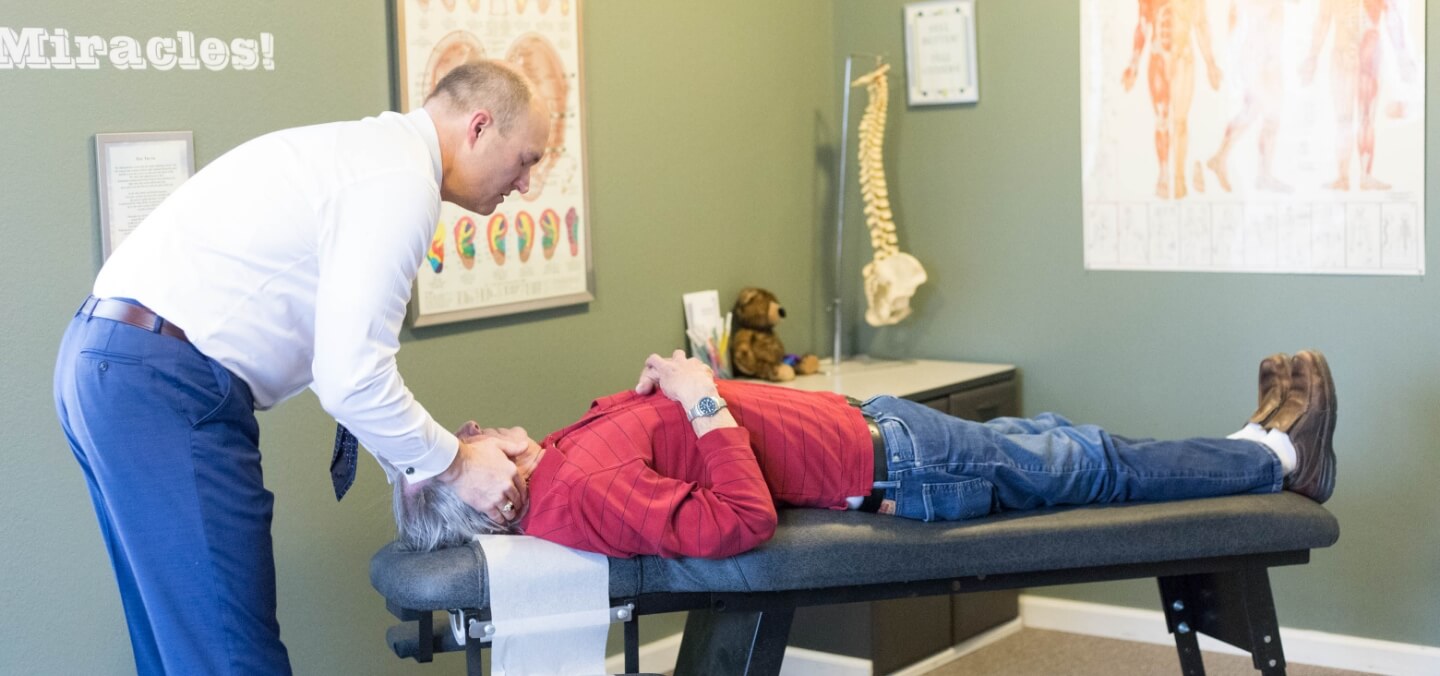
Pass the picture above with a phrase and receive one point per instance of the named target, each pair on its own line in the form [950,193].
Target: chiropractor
[286,263]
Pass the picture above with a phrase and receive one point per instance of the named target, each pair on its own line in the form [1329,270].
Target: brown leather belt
[135,315]
[882,467]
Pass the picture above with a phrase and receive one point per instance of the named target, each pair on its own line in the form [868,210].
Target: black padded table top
[814,549]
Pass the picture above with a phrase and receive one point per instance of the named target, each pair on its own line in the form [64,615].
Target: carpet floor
[1035,652]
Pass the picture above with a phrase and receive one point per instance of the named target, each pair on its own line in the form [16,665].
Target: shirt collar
[426,126]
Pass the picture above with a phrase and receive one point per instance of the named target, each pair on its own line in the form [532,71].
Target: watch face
[706,407]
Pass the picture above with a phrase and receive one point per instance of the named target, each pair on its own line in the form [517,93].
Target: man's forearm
[720,420]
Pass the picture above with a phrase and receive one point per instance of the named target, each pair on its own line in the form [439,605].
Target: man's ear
[480,121]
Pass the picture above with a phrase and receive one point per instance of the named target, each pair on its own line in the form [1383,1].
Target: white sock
[1285,450]
[1275,440]
[1250,432]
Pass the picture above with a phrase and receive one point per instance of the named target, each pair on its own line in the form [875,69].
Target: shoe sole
[1327,477]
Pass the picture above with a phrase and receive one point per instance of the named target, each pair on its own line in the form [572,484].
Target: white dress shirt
[290,259]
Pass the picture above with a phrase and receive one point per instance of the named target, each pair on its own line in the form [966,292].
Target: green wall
[711,136]
[702,121]
[988,196]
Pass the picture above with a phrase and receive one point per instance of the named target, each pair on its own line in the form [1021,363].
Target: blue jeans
[943,468]
[168,442]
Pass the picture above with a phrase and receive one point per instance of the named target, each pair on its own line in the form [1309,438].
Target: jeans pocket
[956,500]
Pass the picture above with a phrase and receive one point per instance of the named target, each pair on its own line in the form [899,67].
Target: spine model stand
[892,276]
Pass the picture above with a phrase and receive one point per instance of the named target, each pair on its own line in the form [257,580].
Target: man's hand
[679,379]
[526,460]
[684,381]
[484,475]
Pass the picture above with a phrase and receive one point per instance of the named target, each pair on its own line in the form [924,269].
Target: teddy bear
[755,349]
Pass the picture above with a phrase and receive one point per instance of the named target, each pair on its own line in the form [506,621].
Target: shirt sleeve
[632,509]
[375,234]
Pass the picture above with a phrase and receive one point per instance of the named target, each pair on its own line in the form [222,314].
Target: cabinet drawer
[986,402]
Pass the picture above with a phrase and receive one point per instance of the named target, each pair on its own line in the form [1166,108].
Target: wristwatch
[706,407]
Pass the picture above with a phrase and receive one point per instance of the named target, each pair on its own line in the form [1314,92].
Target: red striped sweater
[630,477]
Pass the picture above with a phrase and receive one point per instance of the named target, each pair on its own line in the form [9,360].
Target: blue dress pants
[943,468]
[168,443]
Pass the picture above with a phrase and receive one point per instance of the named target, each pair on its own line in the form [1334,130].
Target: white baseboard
[806,662]
[962,649]
[1301,646]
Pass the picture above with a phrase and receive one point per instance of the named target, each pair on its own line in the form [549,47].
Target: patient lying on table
[686,465]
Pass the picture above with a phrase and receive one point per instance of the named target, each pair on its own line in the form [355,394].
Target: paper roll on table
[549,606]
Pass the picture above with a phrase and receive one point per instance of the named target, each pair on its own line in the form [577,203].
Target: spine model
[891,276]
[878,216]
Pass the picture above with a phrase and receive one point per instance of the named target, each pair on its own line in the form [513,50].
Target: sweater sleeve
[632,509]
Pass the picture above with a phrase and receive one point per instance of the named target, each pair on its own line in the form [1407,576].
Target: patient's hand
[485,476]
[683,380]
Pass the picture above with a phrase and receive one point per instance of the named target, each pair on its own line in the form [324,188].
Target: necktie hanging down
[342,461]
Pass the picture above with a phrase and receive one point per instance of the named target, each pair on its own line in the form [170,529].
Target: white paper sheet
[550,606]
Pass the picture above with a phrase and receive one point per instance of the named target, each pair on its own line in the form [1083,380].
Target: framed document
[136,172]
[940,52]
[534,251]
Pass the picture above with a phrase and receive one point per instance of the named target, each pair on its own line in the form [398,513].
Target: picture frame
[534,252]
[940,61]
[135,172]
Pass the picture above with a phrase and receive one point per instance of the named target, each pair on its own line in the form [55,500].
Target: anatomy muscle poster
[1254,135]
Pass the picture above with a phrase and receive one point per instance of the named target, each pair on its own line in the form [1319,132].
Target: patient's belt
[549,607]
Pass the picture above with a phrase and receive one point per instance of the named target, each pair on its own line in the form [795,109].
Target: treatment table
[1211,558]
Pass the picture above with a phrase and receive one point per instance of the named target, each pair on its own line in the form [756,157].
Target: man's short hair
[432,515]
[486,83]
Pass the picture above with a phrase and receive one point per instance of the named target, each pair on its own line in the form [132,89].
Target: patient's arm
[631,509]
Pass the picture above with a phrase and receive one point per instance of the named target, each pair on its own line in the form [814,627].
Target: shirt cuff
[434,461]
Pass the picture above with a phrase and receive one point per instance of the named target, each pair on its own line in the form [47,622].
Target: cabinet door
[975,613]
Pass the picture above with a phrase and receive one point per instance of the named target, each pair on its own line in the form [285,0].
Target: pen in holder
[712,347]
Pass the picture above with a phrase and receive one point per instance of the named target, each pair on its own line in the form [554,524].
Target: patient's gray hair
[431,515]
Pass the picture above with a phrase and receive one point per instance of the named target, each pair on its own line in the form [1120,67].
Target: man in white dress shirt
[286,263]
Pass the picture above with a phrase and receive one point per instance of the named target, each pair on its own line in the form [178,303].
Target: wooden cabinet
[897,633]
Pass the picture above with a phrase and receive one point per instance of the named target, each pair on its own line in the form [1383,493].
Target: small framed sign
[940,52]
[136,172]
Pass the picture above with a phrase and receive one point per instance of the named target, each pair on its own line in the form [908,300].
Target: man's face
[490,165]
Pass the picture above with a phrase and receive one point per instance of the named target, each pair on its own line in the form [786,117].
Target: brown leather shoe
[1307,415]
[1274,383]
